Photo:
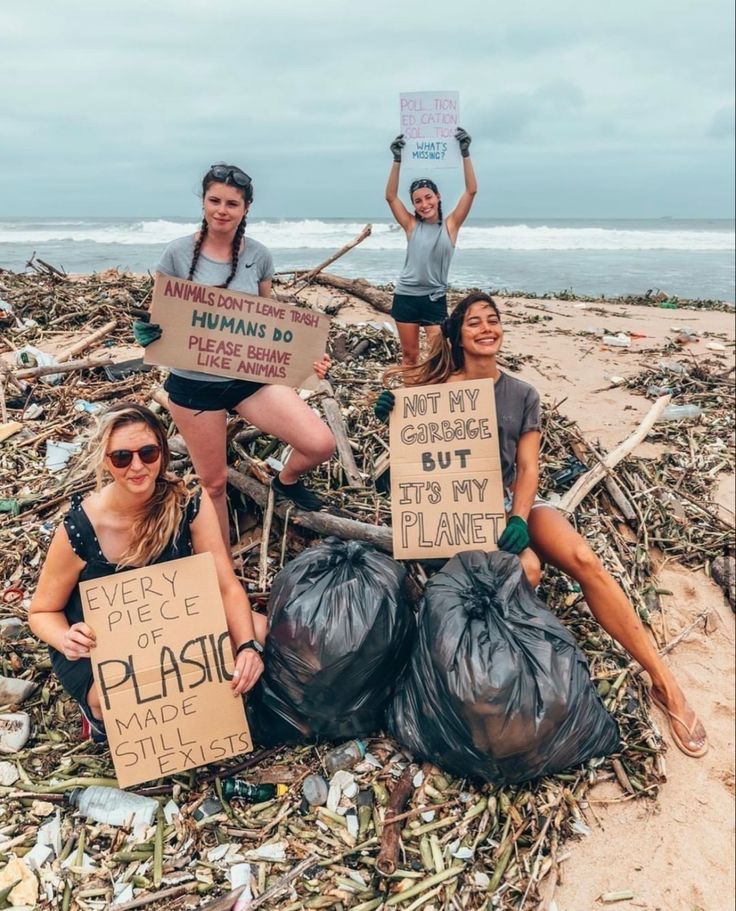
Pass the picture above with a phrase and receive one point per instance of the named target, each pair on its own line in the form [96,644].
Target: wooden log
[587,482]
[306,277]
[333,416]
[359,287]
[389,851]
[86,363]
[612,486]
[320,522]
[79,346]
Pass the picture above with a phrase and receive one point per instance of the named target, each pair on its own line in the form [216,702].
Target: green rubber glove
[384,405]
[145,333]
[515,537]
[463,137]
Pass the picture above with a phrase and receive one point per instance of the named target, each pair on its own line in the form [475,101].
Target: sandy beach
[675,852]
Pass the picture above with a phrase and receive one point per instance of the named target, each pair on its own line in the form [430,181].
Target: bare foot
[686,728]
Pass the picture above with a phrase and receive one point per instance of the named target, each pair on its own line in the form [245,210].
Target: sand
[675,853]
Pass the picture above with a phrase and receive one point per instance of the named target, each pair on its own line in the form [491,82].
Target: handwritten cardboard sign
[446,482]
[227,333]
[162,665]
[428,121]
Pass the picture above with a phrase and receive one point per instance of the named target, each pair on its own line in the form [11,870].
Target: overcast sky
[612,109]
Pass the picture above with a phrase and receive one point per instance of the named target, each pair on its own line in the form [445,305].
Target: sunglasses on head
[121,458]
[223,172]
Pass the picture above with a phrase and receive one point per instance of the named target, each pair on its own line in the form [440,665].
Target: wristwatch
[251,643]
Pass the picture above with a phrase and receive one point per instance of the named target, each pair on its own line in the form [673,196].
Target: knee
[215,484]
[93,701]
[321,445]
[584,563]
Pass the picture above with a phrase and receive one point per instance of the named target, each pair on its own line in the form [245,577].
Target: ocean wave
[316,234]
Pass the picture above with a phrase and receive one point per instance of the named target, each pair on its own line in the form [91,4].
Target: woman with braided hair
[221,254]
[420,297]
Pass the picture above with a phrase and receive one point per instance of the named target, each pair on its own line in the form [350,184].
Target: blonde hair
[158,524]
[445,355]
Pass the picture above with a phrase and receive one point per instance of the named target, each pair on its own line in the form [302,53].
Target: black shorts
[419,309]
[205,395]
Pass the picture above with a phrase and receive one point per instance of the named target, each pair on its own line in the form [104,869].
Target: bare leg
[431,332]
[204,434]
[532,566]
[557,542]
[93,701]
[409,338]
[278,410]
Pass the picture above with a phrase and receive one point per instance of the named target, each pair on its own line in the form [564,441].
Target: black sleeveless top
[76,676]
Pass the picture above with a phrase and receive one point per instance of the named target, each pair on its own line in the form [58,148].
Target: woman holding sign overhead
[139,516]
[420,297]
[222,255]
[466,349]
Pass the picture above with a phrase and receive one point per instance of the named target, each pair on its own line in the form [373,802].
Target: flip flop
[681,744]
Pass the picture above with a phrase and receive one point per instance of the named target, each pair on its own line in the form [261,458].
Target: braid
[439,210]
[197,248]
[240,231]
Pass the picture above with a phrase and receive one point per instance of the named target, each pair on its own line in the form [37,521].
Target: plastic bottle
[315,790]
[114,807]
[345,756]
[680,413]
[617,341]
[253,793]
[656,391]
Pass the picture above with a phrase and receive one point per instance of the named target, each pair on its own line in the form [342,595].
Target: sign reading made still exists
[428,121]
[227,333]
[446,484]
[163,665]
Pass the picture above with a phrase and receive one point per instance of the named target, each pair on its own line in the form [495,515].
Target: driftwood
[359,287]
[306,277]
[79,346]
[582,487]
[388,855]
[86,363]
[333,416]
[321,522]
[612,486]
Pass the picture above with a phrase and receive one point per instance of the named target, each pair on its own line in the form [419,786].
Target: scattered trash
[58,454]
[28,356]
[15,729]
[113,806]
[252,793]
[315,790]
[88,407]
[345,756]
[680,413]
[14,691]
[9,774]
[622,340]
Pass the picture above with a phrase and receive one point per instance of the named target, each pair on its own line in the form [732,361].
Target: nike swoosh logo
[248,265]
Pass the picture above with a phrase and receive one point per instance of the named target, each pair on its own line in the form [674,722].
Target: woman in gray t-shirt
[466,349]
[221,254]
[420,297]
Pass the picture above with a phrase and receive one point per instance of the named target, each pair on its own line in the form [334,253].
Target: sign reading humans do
[162,666]
[428,121]
[224,332]
[446,483]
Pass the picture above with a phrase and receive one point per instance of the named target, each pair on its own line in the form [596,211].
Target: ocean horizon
[687,258]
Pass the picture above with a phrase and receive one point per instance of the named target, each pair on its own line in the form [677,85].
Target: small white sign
[428,121]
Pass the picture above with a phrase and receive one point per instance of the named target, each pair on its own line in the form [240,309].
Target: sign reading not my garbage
[446,482]
[163,665]
[228,333]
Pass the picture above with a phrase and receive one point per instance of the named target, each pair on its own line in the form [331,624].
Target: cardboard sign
[162,665]
[227,333]
[446,481]
[428,121]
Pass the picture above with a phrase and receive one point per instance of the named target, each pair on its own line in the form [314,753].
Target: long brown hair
[160,521]
[446,354]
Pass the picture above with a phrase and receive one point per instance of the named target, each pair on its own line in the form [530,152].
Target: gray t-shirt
[517,411]
[426,267]
[255,265]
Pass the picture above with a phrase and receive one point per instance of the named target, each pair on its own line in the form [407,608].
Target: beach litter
[451,842]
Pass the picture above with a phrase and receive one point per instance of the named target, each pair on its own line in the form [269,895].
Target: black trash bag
[340,633]
[496,687]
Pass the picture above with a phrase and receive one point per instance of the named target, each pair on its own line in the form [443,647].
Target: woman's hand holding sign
[248,668]
[77,642]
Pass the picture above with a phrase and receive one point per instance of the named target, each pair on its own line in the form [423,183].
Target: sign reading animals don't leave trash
[446,482]
[228,333]
[163,665]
